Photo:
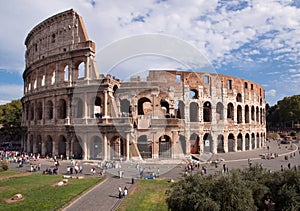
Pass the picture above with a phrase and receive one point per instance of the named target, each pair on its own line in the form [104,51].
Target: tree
[10,119]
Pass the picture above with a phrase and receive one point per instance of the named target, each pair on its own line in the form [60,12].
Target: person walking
[120,192]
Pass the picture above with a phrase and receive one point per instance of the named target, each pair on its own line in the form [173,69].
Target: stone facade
[70,109]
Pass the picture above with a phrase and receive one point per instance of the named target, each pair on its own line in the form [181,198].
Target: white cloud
[271,93]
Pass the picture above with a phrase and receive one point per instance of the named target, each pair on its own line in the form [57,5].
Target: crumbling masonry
[70,109]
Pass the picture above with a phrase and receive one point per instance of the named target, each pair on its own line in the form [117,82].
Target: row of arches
[53,74]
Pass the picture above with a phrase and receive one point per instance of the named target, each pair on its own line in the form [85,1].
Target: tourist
[125,191]
[120,192]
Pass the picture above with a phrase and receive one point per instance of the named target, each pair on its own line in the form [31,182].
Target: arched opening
[165,107]
[230,112]
[39,111]
[231,143]
[180,110]
[182,143]
[253,140]
[207,114]
[208,143]
[145,147]
[239,114]
[39,144]
[239,98]
[240,142]
[77,149]
[165,147]
[219,111]
[247,142]
[117,149]
[96,152]
[81,70]
[220,147]
[257,140]
[66,73]
[98,107]
[31,113]
[49,146]
[62,109]
[31,144]
[194,94]
[247,120]
[115,88]
[261,116]
[125,107]
[252,113]
[144,106]
[77,108]
[195,144]
[62,146]
[194,112]
[257,114]
[49,110]
[52,76]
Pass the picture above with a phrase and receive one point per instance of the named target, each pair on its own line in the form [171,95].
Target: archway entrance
[207,143]
[145,147]
[194,144]
[230,142]
[96,151]
[240,142]
[220,147]
[62,146]
[77,149]
[165,147]
[49,146]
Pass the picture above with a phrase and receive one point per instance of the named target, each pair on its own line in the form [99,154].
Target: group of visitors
[122,193]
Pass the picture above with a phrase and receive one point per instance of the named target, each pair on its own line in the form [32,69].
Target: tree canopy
[286,113]
[251,189]
[10,119]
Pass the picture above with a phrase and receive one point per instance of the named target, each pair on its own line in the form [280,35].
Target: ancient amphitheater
[71,109]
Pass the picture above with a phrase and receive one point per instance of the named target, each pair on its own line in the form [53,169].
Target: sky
[258,40]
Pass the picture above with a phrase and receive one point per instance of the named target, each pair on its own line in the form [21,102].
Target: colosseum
[72,110]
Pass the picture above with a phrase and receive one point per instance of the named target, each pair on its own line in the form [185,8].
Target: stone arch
[165,106]
[62,146]
[115,88]
[207,143]
[97,108]
[117,147]
[81,70]
[247,120]
[240,142]
[219,111]
[66,73]
[220,146]
[230,112]
[257,114]
[31,111]
[39,111]
[194,112]
[182,141]
[49,146]
[257,140]
[239,114]
[31,144]
[165,147]
[207,112]
[144,106]
[239,97]
[252,113]
[247,142]
[39,143]
[62,109]
[194,94]
[77,108]
[97,146]
[261,115]
[180,114]
[77,148]
[49,110]
[253,140]
[125,106]
[144,146]
[52,77]
[231,143]
[194,144]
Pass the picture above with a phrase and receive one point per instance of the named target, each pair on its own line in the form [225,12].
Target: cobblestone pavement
[104,196]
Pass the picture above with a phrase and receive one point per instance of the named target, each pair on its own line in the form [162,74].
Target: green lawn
[40,192]
[147,195]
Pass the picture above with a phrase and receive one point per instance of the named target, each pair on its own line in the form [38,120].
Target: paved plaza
[104,196]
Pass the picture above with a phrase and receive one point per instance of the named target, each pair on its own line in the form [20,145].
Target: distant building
[70,109]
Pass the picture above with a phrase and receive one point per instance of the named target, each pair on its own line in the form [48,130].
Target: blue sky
[258,40]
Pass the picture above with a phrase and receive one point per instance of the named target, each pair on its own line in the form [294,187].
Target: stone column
[127,145]
[105,104]
[105,148]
